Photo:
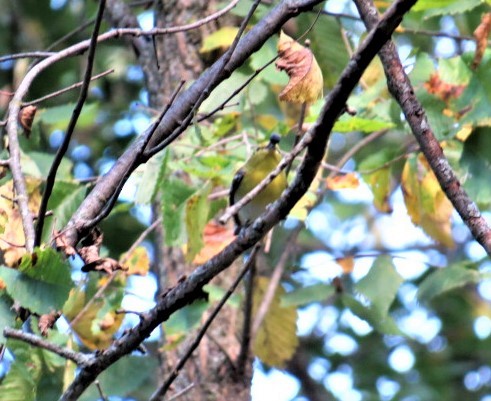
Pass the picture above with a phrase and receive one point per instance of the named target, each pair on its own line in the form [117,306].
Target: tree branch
[50,181]
[79,358]
[401,89]
[216,74]
[160,392]
[189,289]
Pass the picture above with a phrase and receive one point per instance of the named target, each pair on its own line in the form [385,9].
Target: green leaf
[379,289]
[42,282]
[18,385]
[378,177]
[174,196]
[380,285]
[220,39]
[350,124]
[152,175]
[37,164]
[216,293]
[197,209]
[446,279]
[185,319]
[476,161]
[122,378]
[435,8]
[264,55]
[7,317]
[64,201]
[306,295]
[59,116]
[223,91]
[382,323]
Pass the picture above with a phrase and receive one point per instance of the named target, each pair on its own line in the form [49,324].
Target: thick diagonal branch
[180,110]
[400,87]
[189,289]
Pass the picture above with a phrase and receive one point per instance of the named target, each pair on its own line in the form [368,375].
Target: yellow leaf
[464,132]
[343,181]
[306,81]
[379,182]
[137,262]
[220,39]
[426,203]
[13,240]
[276,339]
[373,73]
[95,332]
[307,201]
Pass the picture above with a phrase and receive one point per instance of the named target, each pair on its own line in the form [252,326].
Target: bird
[255,169]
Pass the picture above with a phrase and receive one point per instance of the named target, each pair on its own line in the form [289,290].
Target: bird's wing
[239,176]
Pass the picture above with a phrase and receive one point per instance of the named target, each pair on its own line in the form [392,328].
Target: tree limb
[401,89]
[188,100]
[190,288]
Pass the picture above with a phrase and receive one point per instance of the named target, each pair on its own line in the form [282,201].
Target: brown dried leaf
[47,322]
[444,90]
[306,81]
[62,244]
[481,34]
[91,245]
[107,265]
[26,118]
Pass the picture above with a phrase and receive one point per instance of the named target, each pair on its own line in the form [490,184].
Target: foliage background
[390,288]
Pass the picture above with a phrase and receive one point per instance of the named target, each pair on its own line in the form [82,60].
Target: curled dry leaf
[26,118]
[62,244]
[47,322]
[481,34]
[306,81]
[89,252]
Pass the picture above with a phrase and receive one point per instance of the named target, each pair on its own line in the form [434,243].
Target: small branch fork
[190,289]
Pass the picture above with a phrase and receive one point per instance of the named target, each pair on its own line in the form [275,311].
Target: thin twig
[79,358]
[160,392]
[25,55]
[356,147]
[204,94]
[140,239]
[274,281]
[180,28]
[181,393]
[237,91]
[68,88]
[97,295]
[50,181]
[246,326]
[99,389]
